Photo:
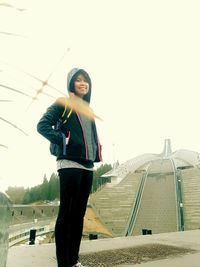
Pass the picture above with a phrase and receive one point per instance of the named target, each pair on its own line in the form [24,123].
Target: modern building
[152,193]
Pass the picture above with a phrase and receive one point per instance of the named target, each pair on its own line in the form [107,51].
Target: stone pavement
[183,261]
[44,255]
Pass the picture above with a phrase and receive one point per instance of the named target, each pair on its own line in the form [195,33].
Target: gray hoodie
[72,77]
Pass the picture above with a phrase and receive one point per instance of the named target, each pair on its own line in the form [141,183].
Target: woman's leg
[70,180]
[78,215]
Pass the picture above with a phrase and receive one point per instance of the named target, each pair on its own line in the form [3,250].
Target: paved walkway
[44,255]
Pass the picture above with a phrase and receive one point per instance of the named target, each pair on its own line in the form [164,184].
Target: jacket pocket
[65,142]
[53,149]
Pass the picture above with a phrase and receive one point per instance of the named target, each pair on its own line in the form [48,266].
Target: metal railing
[136,206]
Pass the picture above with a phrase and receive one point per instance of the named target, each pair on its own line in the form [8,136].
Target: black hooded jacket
[76,147]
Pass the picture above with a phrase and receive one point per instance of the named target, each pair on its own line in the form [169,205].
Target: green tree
[27,197]
[98,181]
[16,194]
[53,187]
[49,190]
[44,189]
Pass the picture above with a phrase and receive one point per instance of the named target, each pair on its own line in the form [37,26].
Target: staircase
[191,197]
[158,211]
[113,204]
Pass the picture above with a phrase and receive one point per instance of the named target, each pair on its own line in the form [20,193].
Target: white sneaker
[78,265]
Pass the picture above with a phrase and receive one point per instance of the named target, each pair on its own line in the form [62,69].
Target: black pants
[75,186]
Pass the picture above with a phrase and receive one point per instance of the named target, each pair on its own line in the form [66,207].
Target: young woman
[77,147]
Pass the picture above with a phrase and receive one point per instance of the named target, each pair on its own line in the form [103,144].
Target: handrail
[180,201]
[179,198]
[136,206]
[22,234]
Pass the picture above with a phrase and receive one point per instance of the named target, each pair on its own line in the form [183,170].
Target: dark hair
[71,87]
[85,75]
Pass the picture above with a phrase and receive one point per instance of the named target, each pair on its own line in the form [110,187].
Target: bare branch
[11,6]
[1,145]
[13,34]
[15,90]
[5,100]
[13,125]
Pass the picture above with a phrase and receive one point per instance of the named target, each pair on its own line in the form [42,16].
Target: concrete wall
[5,217]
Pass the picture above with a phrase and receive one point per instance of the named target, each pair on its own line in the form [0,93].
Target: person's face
[81,86]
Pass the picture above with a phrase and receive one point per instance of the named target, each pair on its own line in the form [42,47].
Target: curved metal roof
[181,158]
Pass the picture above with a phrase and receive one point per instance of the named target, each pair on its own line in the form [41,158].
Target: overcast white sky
[144,62]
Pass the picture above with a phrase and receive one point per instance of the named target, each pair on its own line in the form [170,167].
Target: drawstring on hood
[72,75]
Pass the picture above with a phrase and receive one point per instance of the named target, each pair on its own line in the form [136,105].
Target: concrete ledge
[44,255]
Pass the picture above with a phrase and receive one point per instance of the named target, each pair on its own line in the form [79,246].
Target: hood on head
[71,79]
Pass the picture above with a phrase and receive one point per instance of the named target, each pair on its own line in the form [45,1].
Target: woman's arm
[48,121]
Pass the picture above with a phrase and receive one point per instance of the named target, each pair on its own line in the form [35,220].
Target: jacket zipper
[84,138]
[98,144]
[64,144]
